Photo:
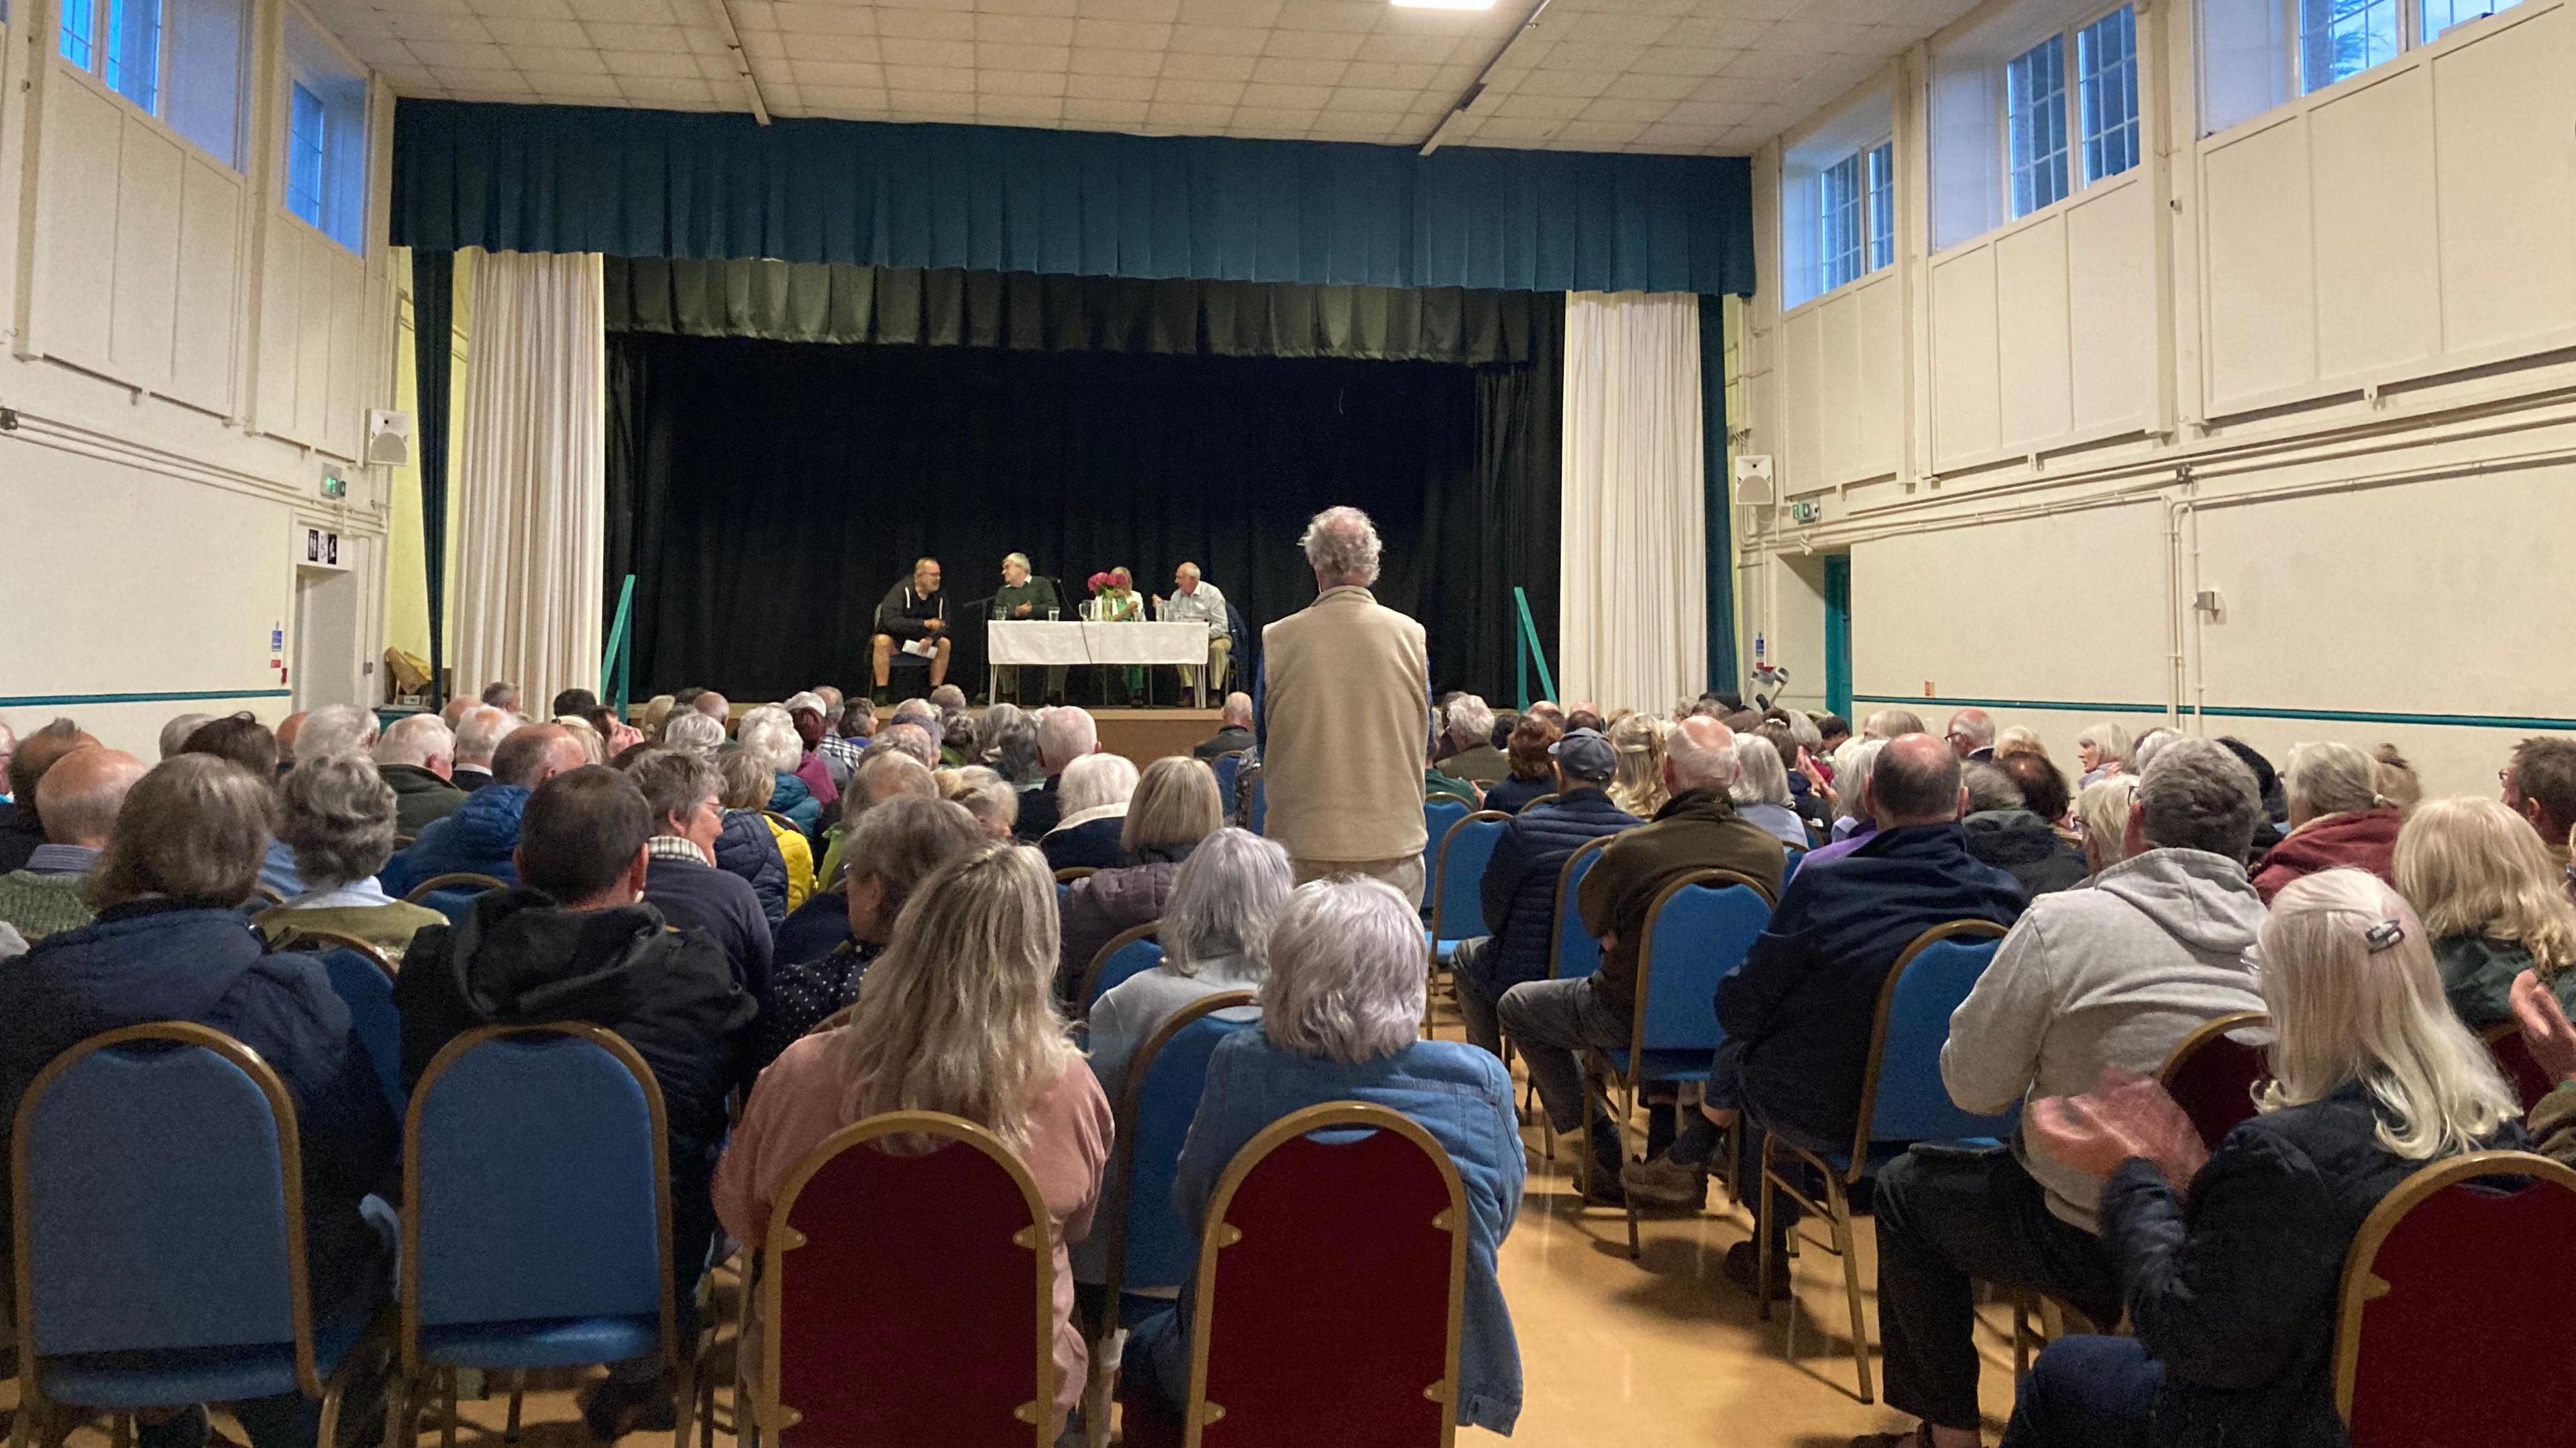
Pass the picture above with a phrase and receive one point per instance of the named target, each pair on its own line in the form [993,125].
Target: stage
[1145,735]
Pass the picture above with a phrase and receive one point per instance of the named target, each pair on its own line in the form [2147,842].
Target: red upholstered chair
[908,1299]
[2211,1073]
[1329,1294]
[2454,1311]
[2513,1056]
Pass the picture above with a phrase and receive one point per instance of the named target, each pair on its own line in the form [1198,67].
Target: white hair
[1064,735]
[807,700]
[768,735]
[1762,778]
[2321,779]
[1238,709]
[480,730]
[1095,780]
[695,732]
[415,740]
[335,729]
[2110,742]
[1342,544]
[1348,966]
[1852,770]
[174,735]
[2143,749]
[1701,753]
[1224,901]
[1471,720]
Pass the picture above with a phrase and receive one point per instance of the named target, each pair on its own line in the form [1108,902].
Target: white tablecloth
[1037,641]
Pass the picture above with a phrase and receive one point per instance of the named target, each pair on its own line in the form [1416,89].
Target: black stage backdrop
[766,494]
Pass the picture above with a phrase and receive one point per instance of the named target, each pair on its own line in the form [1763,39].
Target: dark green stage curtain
[433,303]
[1009,199]
[1719,489]
[776,490]
[1028,312]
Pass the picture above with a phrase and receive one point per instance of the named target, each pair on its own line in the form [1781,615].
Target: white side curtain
[1632,624]
[532,478]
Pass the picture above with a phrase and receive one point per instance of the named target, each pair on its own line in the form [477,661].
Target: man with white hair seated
[1096,790]
[1698,829]
[1473,756]
[1972,734]
[335,729]
[1065,734]
[1345,718]
[416,756]
[479,731]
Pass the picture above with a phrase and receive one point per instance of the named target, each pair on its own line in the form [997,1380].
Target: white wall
[186,360]
[2321,363]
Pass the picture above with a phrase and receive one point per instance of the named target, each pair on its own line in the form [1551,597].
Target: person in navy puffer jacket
[170,943]
[1520,881]
[478,838]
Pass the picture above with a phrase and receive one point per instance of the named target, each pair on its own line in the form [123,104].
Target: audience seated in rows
[805,715]
[885,770]
[479,732]
[1971,735]
[985,794]
[1639,785]
[1341,1014]
[1761,791]
[2003,831]
[417,756]
[1174,807]
[77,800]
[170,944]
[173,740]
[2103,751]
[1010,747]
[2540,785]
[956,1017]
[2102,820]
[1438,785]
[22,829]
[2109,975]
[769,852]
[2495,902]
[1233,731]
[1216,938]
[479,837]
[822,922]
[1519,887]
[767,734]
[1797,1011]
[1095,795]
[2338,817]
[1472,756]
[1533,769]
[1065,734]
[2232,1301]
[1698,829]
[337,815]
[683,882]
[576,942]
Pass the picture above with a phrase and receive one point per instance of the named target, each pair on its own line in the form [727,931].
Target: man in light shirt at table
[1193,599]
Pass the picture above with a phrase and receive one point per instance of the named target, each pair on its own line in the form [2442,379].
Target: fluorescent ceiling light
[1444,4]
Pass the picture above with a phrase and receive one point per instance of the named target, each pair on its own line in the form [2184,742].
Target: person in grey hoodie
[2110,974]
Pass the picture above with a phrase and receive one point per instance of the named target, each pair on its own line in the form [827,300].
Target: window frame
[2290,60]
[311,72]
[2070,104]
[1867,205]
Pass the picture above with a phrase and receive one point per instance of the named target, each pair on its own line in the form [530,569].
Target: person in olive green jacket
[1023,597]
[2494,901]
[416,756]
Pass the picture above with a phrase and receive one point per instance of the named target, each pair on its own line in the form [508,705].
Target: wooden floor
[1618,1353]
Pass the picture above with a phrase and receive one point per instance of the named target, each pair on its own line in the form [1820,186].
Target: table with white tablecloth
[1056,643]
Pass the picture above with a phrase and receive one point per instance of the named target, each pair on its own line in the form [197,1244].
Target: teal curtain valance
[638,183]
[1025,312]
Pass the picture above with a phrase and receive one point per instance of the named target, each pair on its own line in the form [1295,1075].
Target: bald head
[1699,753]
[1238,710]
[1915,782]
[287,729]
[78,798]
[714,705]
[533,755]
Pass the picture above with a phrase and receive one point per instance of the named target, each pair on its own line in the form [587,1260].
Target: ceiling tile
[926,24]
[1020,82]
[558,59]
[825,19]
[1104,112]
[930,105]
[1296,97]
[570,86]
[1355,16]
[1229,12]
[1199,92]
[1025,29]
[1314,44]
[835,48]
[1157,10]
[1175,113]
[1209,67]
[537,32]
[998,106]
[1278,70]
[862,74]
[458,55]
[1027,7]
[957,53]
[945,78]
[660,64]
[466,28]
[846,100]
[1136,88]
[995,56]
[1219,39]
[1093,60]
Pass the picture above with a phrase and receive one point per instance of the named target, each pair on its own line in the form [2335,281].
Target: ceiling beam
[1476,88]
[742,60]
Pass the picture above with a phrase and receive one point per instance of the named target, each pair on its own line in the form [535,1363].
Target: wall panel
[2030,318]
[1838,401]
[144,303]
[2260,274]
[316,290]
[2504,130]
[2111,324]
[1801,385]
[1881,424]
[209,287]
[84,138]
[280,330]
[2371,147]
[1967,419]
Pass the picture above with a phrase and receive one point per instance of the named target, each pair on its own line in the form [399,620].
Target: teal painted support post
[1529,651]
[616,665]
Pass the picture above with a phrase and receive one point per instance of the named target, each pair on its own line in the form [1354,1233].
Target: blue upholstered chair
[366,985]
[453,895]
[1457,886]
[1902,1102]
[1572,952]
[162,1258]
[1697,929]
[1789,866]
[1150,1247]
[1438,814]
[1227,766]
[1130,952]
[536,1212]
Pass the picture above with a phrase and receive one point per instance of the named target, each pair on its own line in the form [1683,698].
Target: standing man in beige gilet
[1345,713]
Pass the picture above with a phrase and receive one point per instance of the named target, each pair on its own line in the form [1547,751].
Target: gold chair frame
[1598,1064]
[1071,873]
[1836,1207]
[401,1406]
[33,1408]
[2361,1286]
[454,880]
[772,1417]
[289,935]
[1100,960]
[1217,1234]
[1122,1165]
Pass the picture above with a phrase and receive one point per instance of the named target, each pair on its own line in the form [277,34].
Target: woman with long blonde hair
[2494,902]
[2233,1302]
[954,1017]
[1638,787]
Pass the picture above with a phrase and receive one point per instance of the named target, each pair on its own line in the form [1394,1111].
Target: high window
[179,60]
[326,137]
[2035,125]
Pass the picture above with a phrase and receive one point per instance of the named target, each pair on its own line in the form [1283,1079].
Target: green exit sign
[334,486]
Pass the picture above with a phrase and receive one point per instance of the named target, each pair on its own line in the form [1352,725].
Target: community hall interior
[1970,593]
